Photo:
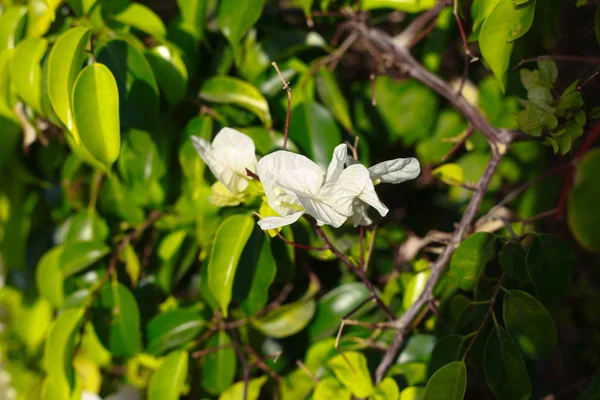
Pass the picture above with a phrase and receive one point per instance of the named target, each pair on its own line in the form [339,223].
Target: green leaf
[49,277]
[414,288]
[96,112]
[592,391]
[228,90]
[27,71]
[229,241]
[447,349]
[288,319]
[171,329]
[193,14]
[417,102]
[529,324]
[419,347]
[329,388]
[117,320]
[469,260]
[236,391]
[504,24]
[58,353]
[115,199]
[412,393]
[409,6]
[142,18]
[351,369]
[414,373]
[236,18]
[168,381]
[549,264]
[314,130]
[279,46]
[334,305]
[448,383]
[132,264]
[505,371]
[387,390]
[450,124]
[331,95]
[218,368]
[78,256]
[483,9]
[597,24]
[64,63]
[170,72]
[86,225]
[583,215]
[138,90]
[512,259]
[535,117]
[12,26]
[548,71]
[451,173]
[192,166]
[306,6]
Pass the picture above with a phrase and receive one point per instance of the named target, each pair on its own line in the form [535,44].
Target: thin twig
[354,268]
[300,246]
[460,143]
[578,59]
[490,310]
[237,345]
[288,89]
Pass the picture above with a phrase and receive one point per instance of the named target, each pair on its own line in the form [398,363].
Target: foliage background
[81,239]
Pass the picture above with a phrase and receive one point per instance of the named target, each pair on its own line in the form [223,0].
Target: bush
[199,199]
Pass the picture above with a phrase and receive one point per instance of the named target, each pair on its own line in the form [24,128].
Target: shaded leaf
[117,320]
[447,349]
[314,130]
[529,324]
[170,72]
[448,383]
[505,371]
[582,211]
[335,304]
[549,264]
[512,259]
[172,329]
[218,369]
[331,95]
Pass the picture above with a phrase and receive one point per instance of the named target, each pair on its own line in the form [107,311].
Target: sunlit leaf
[27,71]
[96,112]
[65,61]
[351,369]
[229,241]
[168,381]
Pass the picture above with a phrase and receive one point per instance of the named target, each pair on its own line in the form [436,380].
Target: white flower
[228,156]
[392,171]
[295,185]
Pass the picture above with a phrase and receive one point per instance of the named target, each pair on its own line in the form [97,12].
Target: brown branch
[386,46]
[408,35]
[404,323]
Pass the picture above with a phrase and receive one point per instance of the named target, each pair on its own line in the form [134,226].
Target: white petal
[284,174]
[370,197]
[351,183]
[340,153]
[324,213]
[351,161]
[230,153]
[360,216]
[278,222]
[396,171]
